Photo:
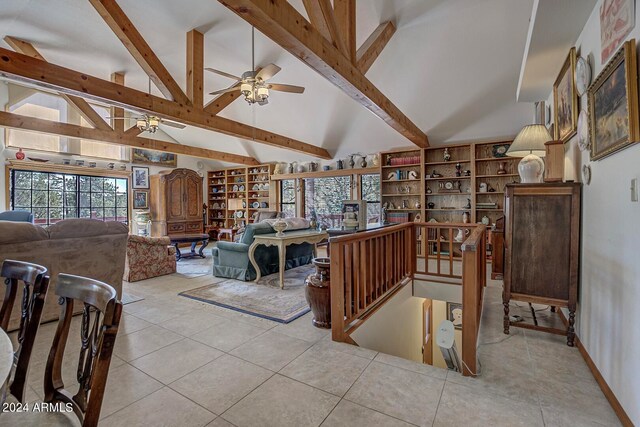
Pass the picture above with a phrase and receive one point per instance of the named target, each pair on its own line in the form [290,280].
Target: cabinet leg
[571,334]
[505,304]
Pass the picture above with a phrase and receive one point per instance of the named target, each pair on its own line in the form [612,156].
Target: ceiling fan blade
[173,124]
[229,89]
[222,73]
[267,72]
[286,88]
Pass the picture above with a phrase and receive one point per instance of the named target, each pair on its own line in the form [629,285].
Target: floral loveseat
[148,257]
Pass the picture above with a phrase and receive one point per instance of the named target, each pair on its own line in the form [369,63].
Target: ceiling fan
[148,123]
[253,84]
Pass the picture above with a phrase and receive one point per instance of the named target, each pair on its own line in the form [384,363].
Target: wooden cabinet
[542,229]
[176,203]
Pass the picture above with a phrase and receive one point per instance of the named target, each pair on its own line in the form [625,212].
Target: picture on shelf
[140,178]
[354,214]
[140,199]
[454,314]
[565,99]
[613,104]
[143,156]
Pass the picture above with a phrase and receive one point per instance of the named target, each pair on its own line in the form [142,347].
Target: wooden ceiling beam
[220,102]
[373,46]
[32,124]
[283,24]
[133,131]
[117,125]
[345,14]
[16,66]
[195,68]
[321,16]
[124,29]
[82,106]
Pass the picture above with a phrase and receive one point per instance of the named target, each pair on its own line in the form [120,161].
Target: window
[52,197]
[41,105]
[288,197]
[370,191]
[324,196]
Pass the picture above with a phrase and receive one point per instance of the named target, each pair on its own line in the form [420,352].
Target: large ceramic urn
[317,292]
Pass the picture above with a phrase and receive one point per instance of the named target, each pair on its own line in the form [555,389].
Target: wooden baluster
[363,274]
[337,292]
[356,277]
[347,282]
[451,251]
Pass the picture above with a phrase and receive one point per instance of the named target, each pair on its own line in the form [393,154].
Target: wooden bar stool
[100,320]
[35,285]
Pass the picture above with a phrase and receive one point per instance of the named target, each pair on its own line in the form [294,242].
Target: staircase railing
[368,268]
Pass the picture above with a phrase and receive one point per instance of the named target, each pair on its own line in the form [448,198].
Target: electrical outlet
[634,190]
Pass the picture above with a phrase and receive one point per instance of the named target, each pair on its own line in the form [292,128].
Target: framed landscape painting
[142,156]
[613,104]
[565,100]
[617,19]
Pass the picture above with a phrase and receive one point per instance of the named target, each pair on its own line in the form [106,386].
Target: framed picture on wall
[140,199]
[613,104]
[140,177]
[565,100]
[617,19]
[143,156]
[454,314]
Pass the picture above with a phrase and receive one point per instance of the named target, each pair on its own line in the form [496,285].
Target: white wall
[4,98]
[608,314]
[396,328]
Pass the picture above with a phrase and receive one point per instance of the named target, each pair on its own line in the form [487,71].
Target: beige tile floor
[180,362]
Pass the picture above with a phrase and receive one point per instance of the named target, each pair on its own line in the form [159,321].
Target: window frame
[281,198]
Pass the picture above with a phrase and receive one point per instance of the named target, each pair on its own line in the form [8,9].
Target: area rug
[195,267]
[263,299]
[129,298]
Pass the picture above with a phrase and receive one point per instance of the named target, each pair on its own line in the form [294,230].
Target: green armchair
[231,260]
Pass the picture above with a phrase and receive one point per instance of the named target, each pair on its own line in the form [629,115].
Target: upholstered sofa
[148,257]
[84,247]
[17,216]
[231,260]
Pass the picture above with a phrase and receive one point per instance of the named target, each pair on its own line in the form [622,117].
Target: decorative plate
[583,131]
[583,75]
[235,187]
[255,205]
[500,150]
[239,214]
[215,206]
[264,205]
[255,187]
[241,188]
[586,174]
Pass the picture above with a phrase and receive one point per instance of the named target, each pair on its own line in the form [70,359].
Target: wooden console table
[290,238]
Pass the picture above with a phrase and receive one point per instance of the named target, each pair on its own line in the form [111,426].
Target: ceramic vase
[20,154]
[317,293]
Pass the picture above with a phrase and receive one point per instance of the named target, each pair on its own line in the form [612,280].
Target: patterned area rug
[263,299]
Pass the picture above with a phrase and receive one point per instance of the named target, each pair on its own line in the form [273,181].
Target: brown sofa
[84,247]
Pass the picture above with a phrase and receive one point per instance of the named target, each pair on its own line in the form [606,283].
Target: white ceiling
[452,67]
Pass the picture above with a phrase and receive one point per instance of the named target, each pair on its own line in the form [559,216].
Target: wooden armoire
[175,203]
[542,248]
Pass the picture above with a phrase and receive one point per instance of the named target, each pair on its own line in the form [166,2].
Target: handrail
[367,268]
[474,277]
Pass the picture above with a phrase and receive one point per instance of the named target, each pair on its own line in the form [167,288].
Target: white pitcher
[462,233]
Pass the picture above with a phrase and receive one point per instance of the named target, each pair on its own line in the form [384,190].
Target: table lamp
[529,144]
[235,205]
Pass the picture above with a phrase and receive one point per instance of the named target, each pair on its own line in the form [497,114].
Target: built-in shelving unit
[250,185]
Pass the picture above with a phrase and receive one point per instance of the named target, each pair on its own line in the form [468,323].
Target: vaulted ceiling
[452,67]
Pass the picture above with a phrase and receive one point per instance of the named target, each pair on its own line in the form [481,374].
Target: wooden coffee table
[194,239]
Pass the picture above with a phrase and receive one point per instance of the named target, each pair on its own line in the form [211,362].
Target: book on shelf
[405,160]
[398,217]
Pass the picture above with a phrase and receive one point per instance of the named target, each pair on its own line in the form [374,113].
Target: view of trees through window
[52,197]
[370,189]
[288,198]
[324,196]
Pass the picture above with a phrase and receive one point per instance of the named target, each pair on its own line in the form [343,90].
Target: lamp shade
[235,204]
[530,140]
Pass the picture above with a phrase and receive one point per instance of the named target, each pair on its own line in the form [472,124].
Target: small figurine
[384,214]
[429,191]
[468,205]
[435,174]
[467,173]
[458,170]
[431,205]
[465,218]
[339,164]
[446,155]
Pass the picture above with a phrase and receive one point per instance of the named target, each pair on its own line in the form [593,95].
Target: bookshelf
[250,185]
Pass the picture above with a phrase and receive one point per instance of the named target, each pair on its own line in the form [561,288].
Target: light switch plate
[634,190]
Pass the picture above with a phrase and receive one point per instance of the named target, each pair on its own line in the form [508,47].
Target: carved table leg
[506,316]
[178,253]
[252,259]
[193,248]
[205,242]
[571,334]
[282,252]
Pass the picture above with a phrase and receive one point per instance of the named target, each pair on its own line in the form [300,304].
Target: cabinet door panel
[193,199]
[175,195]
